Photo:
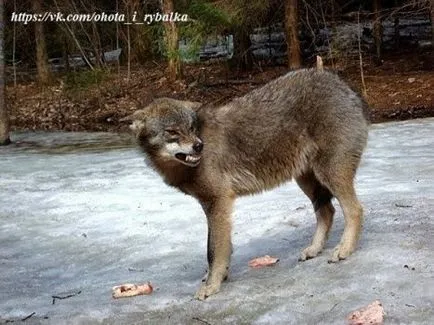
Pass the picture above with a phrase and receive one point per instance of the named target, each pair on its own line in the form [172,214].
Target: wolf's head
[168,131]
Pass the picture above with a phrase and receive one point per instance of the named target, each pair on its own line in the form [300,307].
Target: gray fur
[307,125]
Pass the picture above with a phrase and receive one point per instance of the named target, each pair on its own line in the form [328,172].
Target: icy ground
[81,213]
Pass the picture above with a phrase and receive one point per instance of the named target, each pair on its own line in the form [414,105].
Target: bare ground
[401,88]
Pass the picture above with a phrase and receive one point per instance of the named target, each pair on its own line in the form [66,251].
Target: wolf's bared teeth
[191,158]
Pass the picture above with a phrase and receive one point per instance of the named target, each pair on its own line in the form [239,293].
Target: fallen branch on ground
[65,297]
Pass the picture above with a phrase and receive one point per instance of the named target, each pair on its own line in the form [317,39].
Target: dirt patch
[401,88]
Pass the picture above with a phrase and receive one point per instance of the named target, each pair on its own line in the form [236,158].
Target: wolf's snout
[198,146]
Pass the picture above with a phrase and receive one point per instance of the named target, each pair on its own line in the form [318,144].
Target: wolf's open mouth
[189,160]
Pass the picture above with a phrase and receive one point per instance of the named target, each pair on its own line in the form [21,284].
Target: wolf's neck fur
[175,174]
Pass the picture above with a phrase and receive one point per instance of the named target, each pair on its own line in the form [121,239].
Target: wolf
[307,125]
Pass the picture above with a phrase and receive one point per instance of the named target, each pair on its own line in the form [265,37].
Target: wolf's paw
[206,290]
[341,252]
[309,252]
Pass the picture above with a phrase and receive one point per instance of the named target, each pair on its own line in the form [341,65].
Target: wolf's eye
[171,132]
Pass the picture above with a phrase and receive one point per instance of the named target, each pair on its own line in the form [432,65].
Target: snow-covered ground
[81,213]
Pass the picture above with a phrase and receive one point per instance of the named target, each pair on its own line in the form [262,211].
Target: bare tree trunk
[99,53]
[14,46]
[172,42]
[66,55]
[378,31]
[117,39]
[128,53]
[4,119]
[95,39]
[74,38]
[362,75]
[292,40]
[77,43]
[243,57]
[396,35]
[432,22]
[44,73]
[336,11]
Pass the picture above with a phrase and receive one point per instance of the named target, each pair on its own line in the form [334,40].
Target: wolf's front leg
[218,212]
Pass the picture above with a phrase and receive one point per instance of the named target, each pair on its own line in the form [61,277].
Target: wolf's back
[315,104]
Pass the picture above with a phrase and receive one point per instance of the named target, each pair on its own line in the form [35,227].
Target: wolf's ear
[180,103]
[137,115]
[136,120]
[192,105]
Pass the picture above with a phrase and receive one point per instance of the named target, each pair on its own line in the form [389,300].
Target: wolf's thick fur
[307,125]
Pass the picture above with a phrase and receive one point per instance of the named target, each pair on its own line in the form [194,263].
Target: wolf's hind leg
[324,210]
[353,214]
[340,180]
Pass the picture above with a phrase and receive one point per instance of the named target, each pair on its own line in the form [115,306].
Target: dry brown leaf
[131,290]
[263,261]
[373,314]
